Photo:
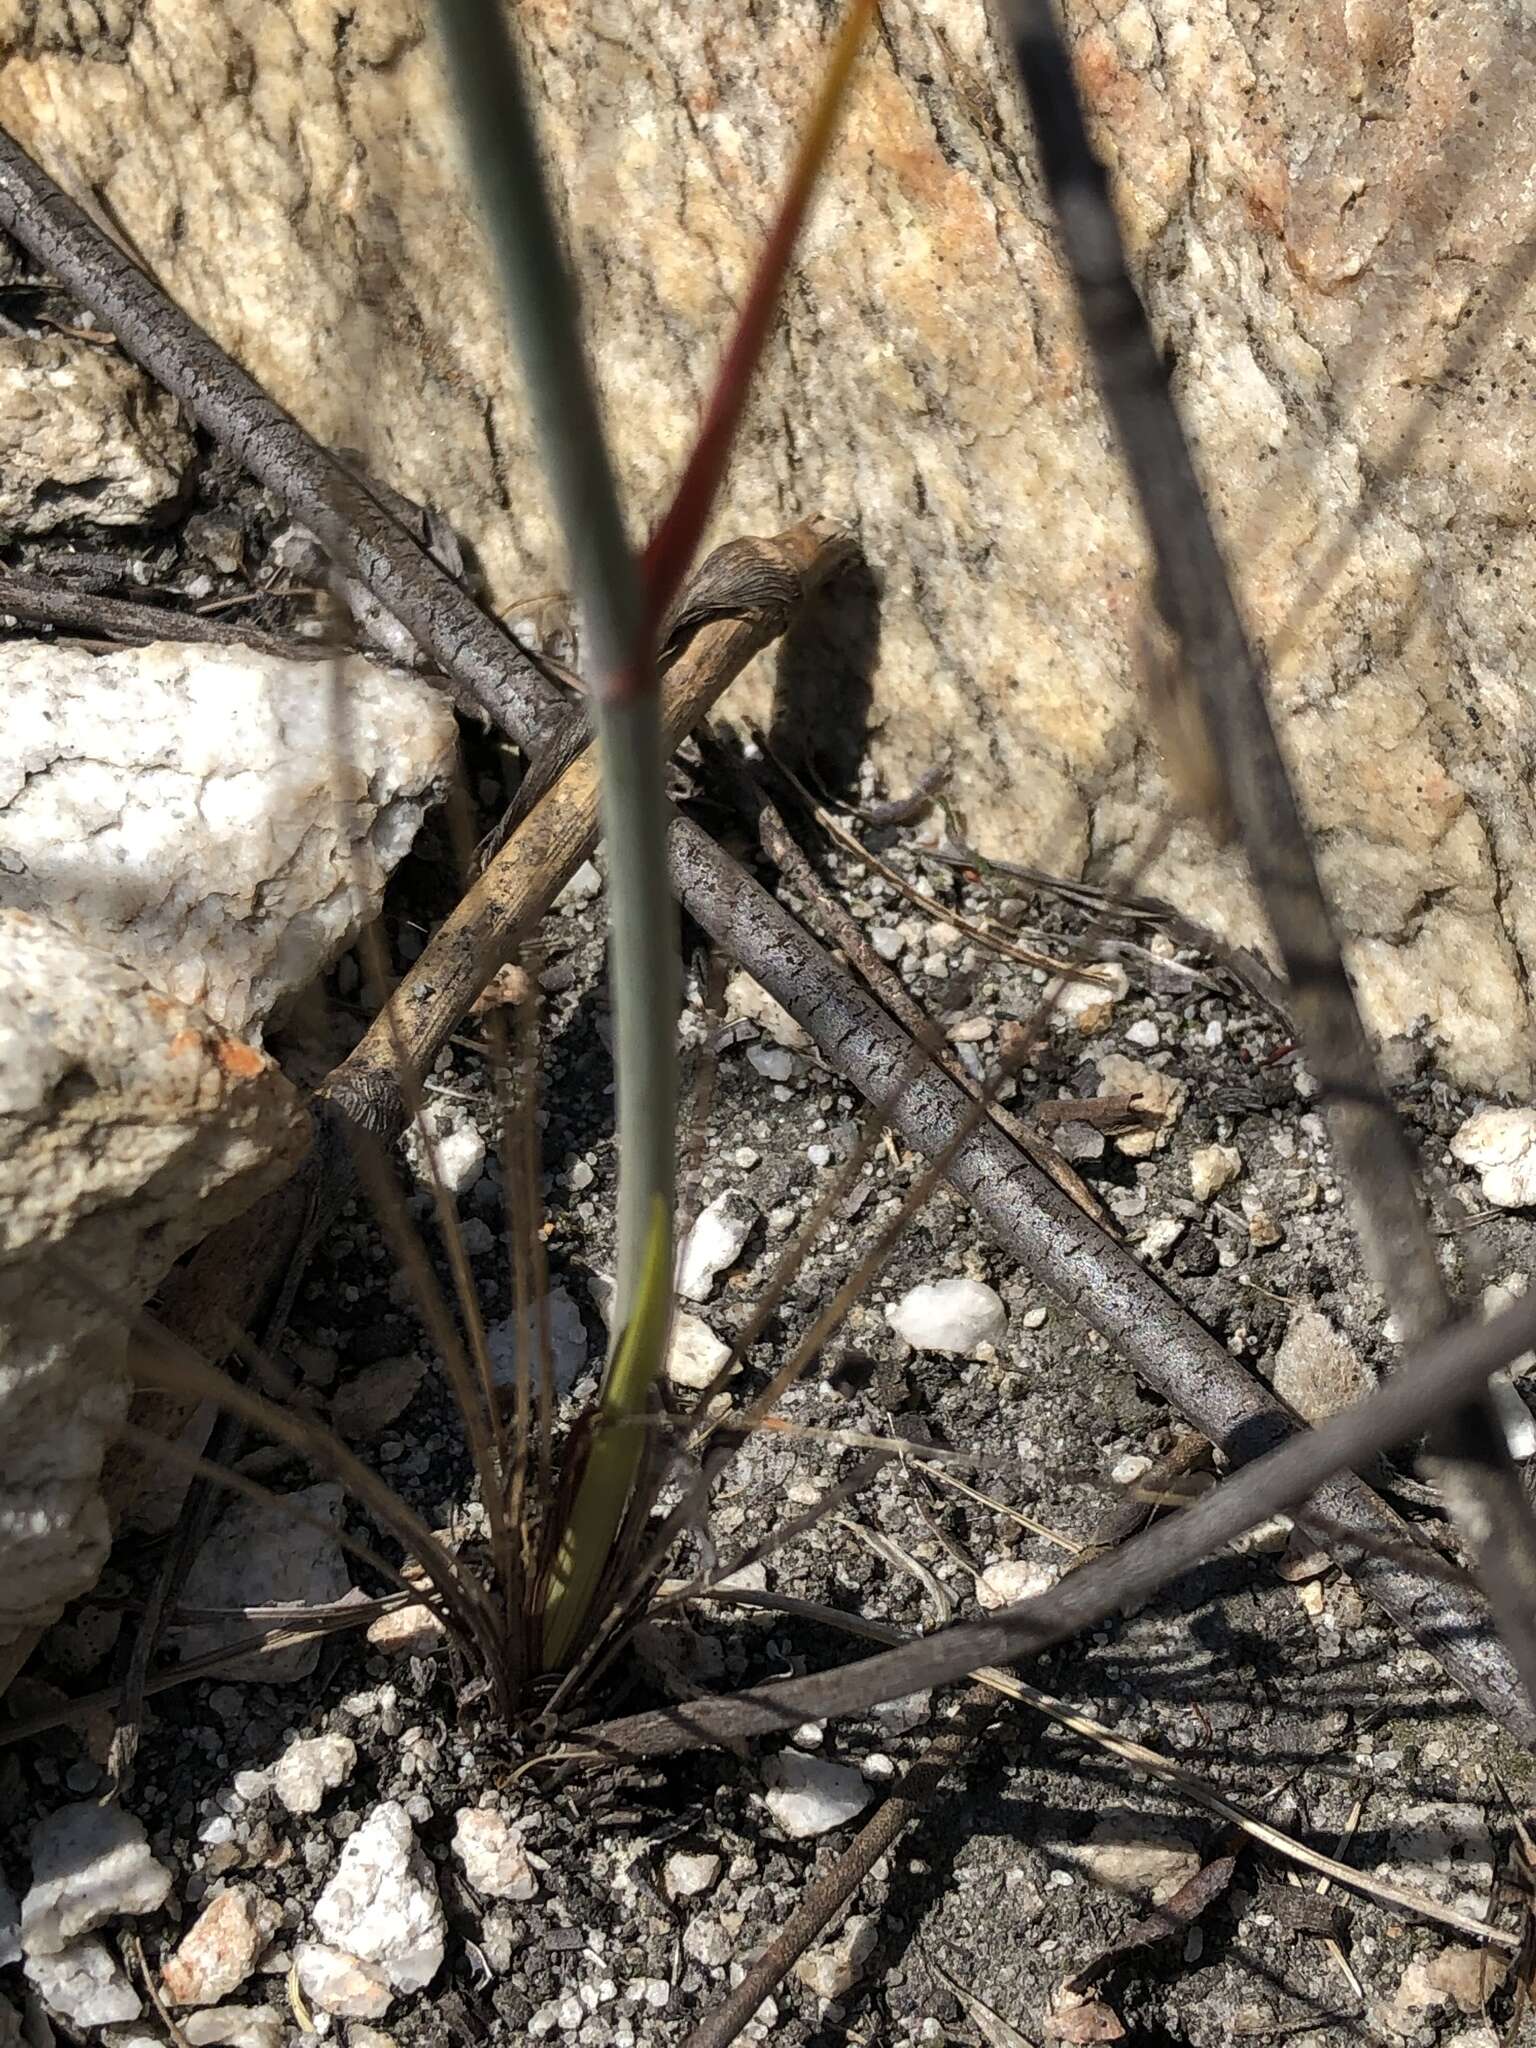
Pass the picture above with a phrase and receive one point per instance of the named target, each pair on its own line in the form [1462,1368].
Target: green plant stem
[542,308]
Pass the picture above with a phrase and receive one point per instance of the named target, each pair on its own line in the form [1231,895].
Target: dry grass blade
[1220,691]
[308,1625]
[157,1359]
[1448,1366]
[1177,1777]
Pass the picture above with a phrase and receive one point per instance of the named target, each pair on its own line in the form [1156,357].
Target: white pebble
[581,888]
[491,1851]
[90,1863]
[954,1317]
[713,1244]
[457,1148]
[809,1795]
[1127,1470]
[1014,1579]
[310,1768]
[1144,1032]
[688,1872]
[382,1906]
[1500,1146]
[1212,1168]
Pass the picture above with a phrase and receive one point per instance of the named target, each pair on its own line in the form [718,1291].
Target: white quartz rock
[84,1984]
[952,1316]
[90,1864]
[382,1906]
[514,1347]
[311,1767]
[129,1128]
[694,1353]
[491,1853]
[1500,1145]
[808,1795]
[340,1983]
[221,819]
[713,1243]
[260,1554]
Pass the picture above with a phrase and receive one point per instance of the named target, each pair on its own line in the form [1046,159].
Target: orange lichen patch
[232,1056]
[240,1061]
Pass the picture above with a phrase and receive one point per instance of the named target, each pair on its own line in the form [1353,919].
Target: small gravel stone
[1212,1168]
[1089,1005]
[887,942]
[1136,1852]
[310,1768]
[950,1316]
[90,1863]
[221,1948]
[808,1795]
[832,1972]
[581,888]
[570,1349]
[1316,1370]
[1500,1146]
[1015,1578]
[340,1983]
[84,1984]
[695,1354]
[706,1941]
[1158,1093]
[1160,1237]
[772,1063]
[713,1244]
[410,1631]
[901,1716]
[745,997]
[1127,1470]
[490,1850]
[456,1146]
[1144,1032]
[382,1905]
[235,2026]
[689,1872]
[376,1397]
[361,2036]
[261,1554]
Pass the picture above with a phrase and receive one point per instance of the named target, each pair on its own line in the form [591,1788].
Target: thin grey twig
[117,618]
[350,523]
[1057,1246]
